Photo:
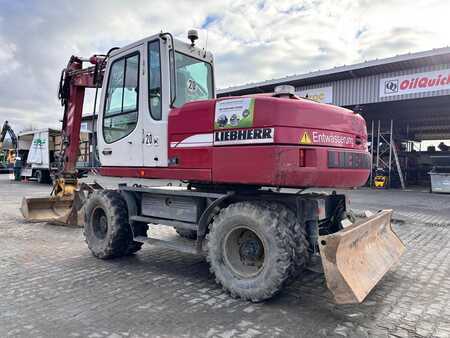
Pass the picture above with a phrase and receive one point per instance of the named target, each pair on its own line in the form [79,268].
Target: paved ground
[419,207]
[51,286]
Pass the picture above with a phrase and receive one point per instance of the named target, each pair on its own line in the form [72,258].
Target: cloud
[7,57]
[252,41]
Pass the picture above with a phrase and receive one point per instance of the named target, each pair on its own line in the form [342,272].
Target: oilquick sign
[415,83]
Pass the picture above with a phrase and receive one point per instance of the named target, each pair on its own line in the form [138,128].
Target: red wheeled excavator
[159,118]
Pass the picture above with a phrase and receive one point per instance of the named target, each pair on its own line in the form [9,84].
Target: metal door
[156,108]
[120,131]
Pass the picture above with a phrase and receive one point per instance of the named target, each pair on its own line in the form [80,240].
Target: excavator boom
[74,81]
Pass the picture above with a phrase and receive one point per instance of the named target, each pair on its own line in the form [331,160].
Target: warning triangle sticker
[305,138]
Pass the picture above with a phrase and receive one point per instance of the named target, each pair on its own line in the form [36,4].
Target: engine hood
[295,120]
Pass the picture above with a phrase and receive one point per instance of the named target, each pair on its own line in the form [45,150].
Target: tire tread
[279,222]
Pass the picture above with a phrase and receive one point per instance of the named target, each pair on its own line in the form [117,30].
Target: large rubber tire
[189,234]
[250,222]
[107,231]
[295,234]
[40,177]
[140,230]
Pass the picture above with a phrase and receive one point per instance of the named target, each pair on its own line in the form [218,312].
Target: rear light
[348,160]
[301,158]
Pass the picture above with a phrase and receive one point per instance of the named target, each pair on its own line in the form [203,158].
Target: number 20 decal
[150,139]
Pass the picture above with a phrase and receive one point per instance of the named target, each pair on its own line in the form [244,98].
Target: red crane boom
[74,81]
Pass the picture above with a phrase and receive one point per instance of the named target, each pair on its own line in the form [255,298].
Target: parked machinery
[7,156]
[37,149]
[381,178]
[159,118]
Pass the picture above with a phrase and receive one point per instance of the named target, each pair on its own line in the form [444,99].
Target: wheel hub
[103,224]
[244,252]
[251,249]
[100,223]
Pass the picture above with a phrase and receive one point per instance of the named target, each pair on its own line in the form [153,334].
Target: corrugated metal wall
[366,89]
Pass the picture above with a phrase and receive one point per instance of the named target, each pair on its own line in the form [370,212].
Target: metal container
[441,161]
[440,182]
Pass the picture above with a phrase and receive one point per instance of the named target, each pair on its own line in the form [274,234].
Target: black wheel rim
[99,223]
[244,252]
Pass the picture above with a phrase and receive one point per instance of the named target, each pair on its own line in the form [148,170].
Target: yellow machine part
[11,157]
[62,188]
[380,181]
[47,209]
[59,208]
[357,257]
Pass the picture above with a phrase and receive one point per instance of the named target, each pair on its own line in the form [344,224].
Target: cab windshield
[194,79]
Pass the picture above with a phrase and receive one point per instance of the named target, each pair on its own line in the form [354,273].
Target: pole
[399,169]
[371,154]
[378,145]
[390,151]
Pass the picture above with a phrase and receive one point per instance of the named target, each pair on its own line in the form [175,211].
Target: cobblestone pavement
[51,286]
[419,207]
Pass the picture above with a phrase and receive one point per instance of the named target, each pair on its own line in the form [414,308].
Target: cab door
[120,132]
[156,108]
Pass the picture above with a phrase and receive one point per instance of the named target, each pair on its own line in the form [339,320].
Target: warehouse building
[404,99]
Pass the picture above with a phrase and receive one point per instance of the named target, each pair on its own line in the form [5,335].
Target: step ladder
[179,244]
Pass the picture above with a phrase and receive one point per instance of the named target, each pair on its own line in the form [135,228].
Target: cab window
[121,106]
[194,79]
[154,80]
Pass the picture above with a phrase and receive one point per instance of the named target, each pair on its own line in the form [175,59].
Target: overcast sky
[251,41]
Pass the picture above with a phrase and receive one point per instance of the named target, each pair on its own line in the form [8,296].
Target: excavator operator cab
[142,83]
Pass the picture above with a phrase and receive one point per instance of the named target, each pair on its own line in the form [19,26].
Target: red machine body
[307,144]
[228,149]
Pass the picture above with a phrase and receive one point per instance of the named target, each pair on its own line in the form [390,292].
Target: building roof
[377,66]
[35,131]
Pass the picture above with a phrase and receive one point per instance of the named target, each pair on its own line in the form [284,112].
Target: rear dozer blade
[357,257]
[55,209]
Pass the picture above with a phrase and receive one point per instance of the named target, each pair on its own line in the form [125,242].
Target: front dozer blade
[357,257]
[53,209]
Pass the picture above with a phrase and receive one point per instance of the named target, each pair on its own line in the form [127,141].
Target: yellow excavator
[8,156]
